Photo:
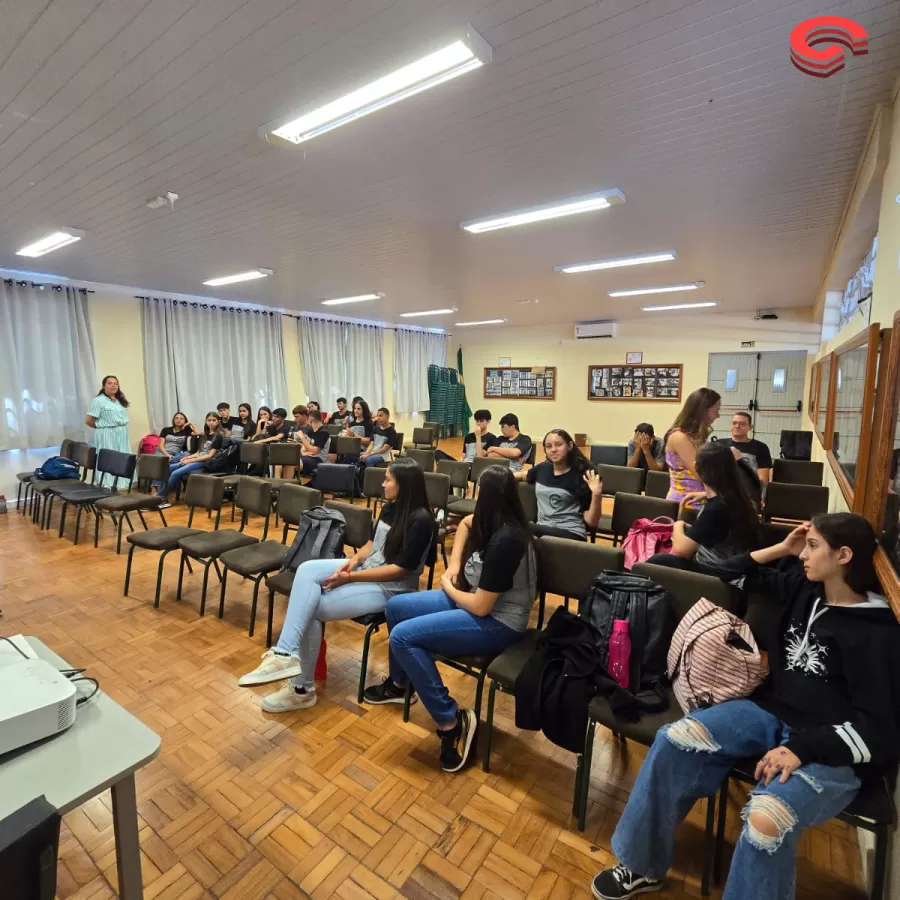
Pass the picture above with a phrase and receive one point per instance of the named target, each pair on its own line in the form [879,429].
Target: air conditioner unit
[588,331]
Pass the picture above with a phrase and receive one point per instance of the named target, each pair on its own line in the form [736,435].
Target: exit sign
[748,344]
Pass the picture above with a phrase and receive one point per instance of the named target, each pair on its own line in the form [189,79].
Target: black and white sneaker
[387,692]
[621,882]
[456,743]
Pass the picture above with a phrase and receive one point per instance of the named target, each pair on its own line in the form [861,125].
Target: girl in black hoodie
[828,712]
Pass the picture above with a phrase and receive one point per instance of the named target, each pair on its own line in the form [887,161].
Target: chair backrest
[688,514]
[204,492]
[458,472]
[254,495]
[86,457]
[67,448]
[282,453]
[656,484]
[567,568]
[119,465]
[609,454]
[797,471]
[294,500]
[620,479]
[423,436]
[358,519]
[528,496]
[349,446]
[532,455]
[29,848]
[254,453]
[796,502]
[771,534]
[437,489]
[480,463]
[437,429]
[686,588]
[398,441]
[628,508]
[373,482]
[152,467]
[334,430]
[425,458]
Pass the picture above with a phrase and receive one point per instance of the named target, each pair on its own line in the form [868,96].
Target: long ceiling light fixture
[427,312]
[359,298]
[572,206]
[482,322]
[60,238]
[617,263]
[679,306]
[471,52]
[252,275]
[664,289]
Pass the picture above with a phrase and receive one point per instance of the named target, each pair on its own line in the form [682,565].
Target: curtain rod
[37,284]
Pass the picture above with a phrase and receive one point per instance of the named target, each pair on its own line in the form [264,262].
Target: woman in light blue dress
[108,416]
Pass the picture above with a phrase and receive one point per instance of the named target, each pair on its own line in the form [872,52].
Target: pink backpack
[713,657]
[150,443]
[646,537]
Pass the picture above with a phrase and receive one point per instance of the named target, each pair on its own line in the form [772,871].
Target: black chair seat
[255,559]
[85,494]
[473,660]
[604,526]
[506,668]
[42,487]
[461,508]
[161,538]
[129,502]
[215,543]
[644,730]
[281,583]
[377,618]
[279,483]
[25,476]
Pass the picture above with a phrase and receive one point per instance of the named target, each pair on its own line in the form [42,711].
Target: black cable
[82,700]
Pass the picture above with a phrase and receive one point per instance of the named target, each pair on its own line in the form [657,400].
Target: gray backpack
[320,535]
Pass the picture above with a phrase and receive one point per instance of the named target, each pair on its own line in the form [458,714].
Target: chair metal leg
[119,534]
[143,520]
[479,692]
[128,570]
[407,701]
[576,794]
[719,861]
[256,583]
[163,518]
[97,529]
[585,780]
[206,567]
[270,618]
[159,575]
[489,727]
[709,845]
[19,494]
[130,526]
[62,517]
[879,872]
[222,593]
[364,662]
[77,523]
[180,576]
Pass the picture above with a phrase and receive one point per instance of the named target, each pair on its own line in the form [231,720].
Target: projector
[36,702]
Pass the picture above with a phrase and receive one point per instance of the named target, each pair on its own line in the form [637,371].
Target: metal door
[733,375]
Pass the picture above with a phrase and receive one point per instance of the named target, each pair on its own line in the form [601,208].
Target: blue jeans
[372,461]
[174,459]
[309,606]
[689,760]
[430,622]
[177,472]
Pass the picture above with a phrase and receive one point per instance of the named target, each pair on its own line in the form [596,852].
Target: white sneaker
[287,699]
[272,668]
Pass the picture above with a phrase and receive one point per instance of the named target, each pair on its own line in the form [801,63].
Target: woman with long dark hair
[726,526]
[483,606]
[569,490]
[688,433]
[213,441]
[328,589]
[108,416]
[826,716]
[359,425]
[245,427]
[263,420]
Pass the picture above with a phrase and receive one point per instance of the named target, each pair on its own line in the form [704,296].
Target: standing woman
[688,433]
[108,416]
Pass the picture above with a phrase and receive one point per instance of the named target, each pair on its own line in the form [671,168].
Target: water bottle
[2,504]
[321,672]
[619,652]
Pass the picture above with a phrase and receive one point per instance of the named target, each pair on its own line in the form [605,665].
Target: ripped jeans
[689,760]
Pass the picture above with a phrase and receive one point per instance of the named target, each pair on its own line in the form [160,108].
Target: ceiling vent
[589,331]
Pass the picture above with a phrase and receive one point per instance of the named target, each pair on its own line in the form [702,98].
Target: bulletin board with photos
[537,383]
[635,382]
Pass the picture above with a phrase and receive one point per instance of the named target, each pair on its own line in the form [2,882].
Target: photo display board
[635,382]
[538,383]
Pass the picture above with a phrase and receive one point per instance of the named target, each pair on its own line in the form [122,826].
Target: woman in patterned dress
[689,432]
[108,416]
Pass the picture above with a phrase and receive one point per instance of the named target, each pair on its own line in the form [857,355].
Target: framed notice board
[538,383]
[635,382]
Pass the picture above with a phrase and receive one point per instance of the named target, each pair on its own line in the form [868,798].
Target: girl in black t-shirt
[263,420]
[175,438]
[245,427]
[360,425]
[213,441]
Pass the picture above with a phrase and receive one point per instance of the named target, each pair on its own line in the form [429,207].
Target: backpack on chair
[150,443]
[647,537]
[320,535]
[56,468]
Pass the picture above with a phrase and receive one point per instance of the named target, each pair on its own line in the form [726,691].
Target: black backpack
[645,605]
[225,461]
[320,535]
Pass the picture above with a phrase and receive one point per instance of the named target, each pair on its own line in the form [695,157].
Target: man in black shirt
[341,415]
[755,452]
[227,419]
[279,430]
[481,435]
[301,423]
[316,444]
[512,445]
[384,436]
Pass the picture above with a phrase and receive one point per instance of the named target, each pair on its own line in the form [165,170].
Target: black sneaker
[456,744]
[621,882]
[387,692]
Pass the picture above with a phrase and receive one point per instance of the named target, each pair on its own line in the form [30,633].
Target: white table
[103,749]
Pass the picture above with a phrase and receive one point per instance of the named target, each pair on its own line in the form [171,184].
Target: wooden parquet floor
[340,800]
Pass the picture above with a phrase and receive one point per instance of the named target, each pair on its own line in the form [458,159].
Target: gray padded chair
[282,453]
[373,486]
[609,454]
[345,446]
[66,450]
[794,502]
[528,496]
[437,489]
[43,492]
[627,508]
[425,458]
[657,484]
[466,506]
[620,479]
[422,439]
[797,471]
[458,472]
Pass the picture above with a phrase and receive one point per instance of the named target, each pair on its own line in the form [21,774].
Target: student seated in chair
[315,445]
[383,439]
[341,416]
[826,714]
[359,425]
[298,429]
[228,420]
[569,491]
[329,589]
[645,450]
[213,441]
[263,421]
[314,405]
[477,442]
[174,438]
[512,445]
[483,606]
[755,452]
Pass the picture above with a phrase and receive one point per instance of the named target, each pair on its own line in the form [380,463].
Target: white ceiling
[725,152]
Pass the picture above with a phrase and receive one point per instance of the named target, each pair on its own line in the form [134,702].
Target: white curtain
[322,360]
[365,363]
[414,352]
[47,367]
[197,355]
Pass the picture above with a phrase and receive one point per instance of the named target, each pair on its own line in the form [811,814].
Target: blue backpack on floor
[57,468]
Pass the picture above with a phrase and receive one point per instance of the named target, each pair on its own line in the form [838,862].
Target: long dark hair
[367,413]
[187,422]
[575,459]
[717,467]
[411,497]
[119,395]
[692,418]
[850,530]
[219,427]
[498,506]
[249,409]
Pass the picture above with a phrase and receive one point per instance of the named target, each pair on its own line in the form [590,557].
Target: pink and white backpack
[646,537]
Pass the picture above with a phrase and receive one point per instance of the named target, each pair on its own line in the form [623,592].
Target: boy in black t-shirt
[227,419]
[384,436]
[512,445]
[341,415]
[755,452]
[315,445]
[476,442]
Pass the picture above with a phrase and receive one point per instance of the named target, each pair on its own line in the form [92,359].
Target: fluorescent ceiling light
[357,299]
[573,206]
[678,306]
[252,275]
[427,312]
[51,242]
[455,59]
[665,289]
[617,263]
[483,322]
